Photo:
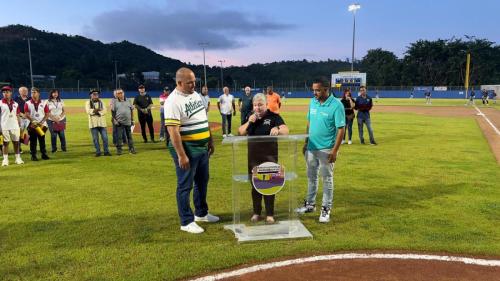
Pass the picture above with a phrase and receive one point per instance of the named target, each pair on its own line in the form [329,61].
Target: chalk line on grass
[260,267]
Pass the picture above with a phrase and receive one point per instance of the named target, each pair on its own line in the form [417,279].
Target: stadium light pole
[221,76]
[116,74]
[203,45]
[353,8]
[29,55]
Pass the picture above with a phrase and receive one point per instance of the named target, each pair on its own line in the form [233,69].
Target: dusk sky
[245,32]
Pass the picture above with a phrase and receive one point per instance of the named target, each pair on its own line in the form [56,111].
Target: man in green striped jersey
[190,146]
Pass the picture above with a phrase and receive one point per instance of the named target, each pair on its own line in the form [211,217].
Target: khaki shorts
[10,135]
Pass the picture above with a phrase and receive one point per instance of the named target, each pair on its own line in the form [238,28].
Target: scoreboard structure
[352,80]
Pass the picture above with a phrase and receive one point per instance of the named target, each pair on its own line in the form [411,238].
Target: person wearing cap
[143,102]
[163,98]
[37,112]
[9,124]
[96,110]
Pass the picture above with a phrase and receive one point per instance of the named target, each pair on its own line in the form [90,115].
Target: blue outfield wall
[295,94]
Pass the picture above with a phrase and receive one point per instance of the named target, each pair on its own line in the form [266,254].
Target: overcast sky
[244,32]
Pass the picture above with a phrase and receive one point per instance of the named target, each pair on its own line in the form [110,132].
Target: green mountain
[76,60]
[72,58]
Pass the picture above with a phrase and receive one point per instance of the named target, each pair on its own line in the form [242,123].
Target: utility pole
[353,8]
[221,75]
[116,74]
[203,45]
[29,55]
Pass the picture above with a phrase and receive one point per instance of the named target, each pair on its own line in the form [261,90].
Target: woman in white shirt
[57,120]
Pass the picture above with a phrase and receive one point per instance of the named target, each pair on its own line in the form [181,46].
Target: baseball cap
[141,86]
[6,88]
[94,91]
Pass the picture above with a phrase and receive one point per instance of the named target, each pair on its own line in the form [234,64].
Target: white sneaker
[230,135]
[343,141]
[162,139]
[306,208]
[207,218]
[224,135]
[192,228]
[324,217]
[349,142]
[5,162]
[19,161]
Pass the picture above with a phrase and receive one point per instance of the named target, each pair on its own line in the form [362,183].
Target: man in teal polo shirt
[325,126]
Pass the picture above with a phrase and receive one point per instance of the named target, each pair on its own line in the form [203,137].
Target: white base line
[255,268]
[487,120]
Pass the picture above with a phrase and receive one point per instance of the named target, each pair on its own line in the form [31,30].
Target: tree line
[75,58]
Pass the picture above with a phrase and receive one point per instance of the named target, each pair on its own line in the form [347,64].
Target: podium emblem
[268,178]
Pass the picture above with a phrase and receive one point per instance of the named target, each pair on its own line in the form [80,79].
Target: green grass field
[430,185]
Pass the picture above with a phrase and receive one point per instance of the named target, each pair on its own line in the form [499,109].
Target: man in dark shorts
[262,122]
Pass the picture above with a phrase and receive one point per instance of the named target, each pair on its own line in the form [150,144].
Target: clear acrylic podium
[268,165]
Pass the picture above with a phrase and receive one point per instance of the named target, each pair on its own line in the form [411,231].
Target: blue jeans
[162,124]
[348,124]
[54,134]
[366,120]
[124,134]
[115,135]
[95,137]
[317,162]
[197,174]
[226,123]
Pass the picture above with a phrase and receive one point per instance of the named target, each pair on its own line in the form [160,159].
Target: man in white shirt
[9,122]
[227,108]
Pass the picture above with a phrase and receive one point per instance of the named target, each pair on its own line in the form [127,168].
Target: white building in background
[151,75]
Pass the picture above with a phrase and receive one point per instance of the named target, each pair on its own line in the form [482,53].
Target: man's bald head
[185,79]
[182,73]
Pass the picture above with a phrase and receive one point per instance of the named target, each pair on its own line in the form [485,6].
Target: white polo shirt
[55,108]
[226,103]
[36,111]
[8,115]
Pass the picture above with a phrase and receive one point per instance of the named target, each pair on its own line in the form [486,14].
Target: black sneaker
[132,151]
[45,157]
[373,143]
[107,154]
[98,154]
[362,142]
[33,158]
[119,152]
[307,208]
[145,140]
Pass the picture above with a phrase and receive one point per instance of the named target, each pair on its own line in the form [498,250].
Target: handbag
[58,127]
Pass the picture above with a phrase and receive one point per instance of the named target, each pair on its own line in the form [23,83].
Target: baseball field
[430,186]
